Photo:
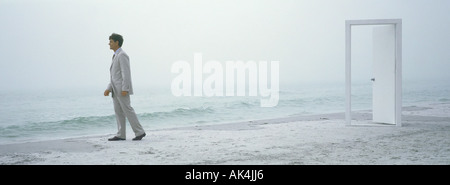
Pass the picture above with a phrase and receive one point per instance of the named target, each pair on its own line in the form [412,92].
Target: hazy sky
[61,44]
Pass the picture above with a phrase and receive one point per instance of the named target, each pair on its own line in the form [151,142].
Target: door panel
[384,74]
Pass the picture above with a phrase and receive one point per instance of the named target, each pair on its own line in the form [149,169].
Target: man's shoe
[137,138]
[115,138]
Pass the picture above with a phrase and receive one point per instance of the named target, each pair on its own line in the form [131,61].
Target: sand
[325,139]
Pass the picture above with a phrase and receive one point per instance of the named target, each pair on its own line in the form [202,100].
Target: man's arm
[124,62]
[109,87]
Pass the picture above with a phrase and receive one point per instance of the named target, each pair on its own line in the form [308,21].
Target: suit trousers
[124,110]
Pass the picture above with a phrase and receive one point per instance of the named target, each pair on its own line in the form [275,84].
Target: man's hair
[116,37]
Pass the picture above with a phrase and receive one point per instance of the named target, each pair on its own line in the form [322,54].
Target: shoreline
[313,139]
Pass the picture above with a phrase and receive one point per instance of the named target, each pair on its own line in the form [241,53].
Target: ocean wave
[96,121]
[78,123]
[242,104]
[309,101]
[92,122]
[292,101]
[186,112]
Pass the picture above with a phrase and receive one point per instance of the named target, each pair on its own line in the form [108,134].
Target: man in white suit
[121,89]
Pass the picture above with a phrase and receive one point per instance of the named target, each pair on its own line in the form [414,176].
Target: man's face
[113,45]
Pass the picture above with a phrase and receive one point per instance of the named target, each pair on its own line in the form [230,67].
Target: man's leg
[130,114]
[120,118]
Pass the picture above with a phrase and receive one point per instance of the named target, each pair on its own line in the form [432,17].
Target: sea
[37,115]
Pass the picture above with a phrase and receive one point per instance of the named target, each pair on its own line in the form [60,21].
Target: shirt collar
[117,51]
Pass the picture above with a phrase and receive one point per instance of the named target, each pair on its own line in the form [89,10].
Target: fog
[64,44]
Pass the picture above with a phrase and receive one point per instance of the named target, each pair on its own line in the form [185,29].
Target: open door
[383,74]
[387,70]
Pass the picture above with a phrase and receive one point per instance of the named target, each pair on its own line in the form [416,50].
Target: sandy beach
[323,139]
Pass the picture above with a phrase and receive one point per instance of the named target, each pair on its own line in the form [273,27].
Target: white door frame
[398,63]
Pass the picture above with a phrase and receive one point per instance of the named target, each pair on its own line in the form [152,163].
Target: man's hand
[124,93]
[106,93]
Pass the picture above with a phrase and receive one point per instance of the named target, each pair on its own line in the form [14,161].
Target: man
[121,89]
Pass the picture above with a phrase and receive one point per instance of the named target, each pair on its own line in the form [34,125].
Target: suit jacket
[120,74]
